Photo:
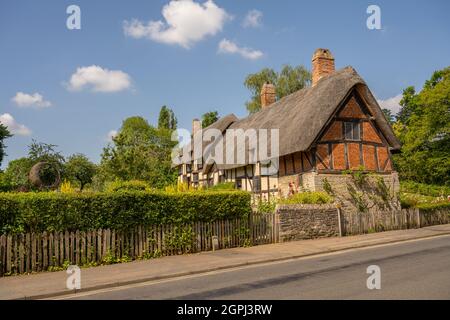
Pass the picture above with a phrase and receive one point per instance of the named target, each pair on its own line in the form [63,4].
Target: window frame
[355,127]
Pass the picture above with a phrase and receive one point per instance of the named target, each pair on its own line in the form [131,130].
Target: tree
[389,116]
[4,134]
[408,105]
[140,152]
[287,81]
[43,152]
[423,127]
[80,170]
[167,119]
[209,118]
[53,169]
[16,174]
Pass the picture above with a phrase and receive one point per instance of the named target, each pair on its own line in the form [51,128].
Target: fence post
[418,217]
[339,222]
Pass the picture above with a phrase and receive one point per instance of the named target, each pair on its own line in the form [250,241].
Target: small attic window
[352,131]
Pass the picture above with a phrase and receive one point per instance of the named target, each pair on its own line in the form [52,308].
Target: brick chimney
[268,94]
[322,64]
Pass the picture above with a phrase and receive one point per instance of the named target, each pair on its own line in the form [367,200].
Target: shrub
[5,186]
[66,187]
[266,206]
[308,198]
[223,186]
[178,187]
[122,210]
[414,200]
[132,185]
[424,189]
[433,206]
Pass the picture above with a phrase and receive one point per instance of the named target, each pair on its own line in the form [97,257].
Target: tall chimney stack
[196,126]
[322,65]
[268,94]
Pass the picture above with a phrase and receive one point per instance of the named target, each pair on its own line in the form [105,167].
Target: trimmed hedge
[38,212]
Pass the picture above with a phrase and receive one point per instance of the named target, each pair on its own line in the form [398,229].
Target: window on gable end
[352,131]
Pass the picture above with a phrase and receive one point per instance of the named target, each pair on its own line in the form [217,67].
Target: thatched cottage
[332,126]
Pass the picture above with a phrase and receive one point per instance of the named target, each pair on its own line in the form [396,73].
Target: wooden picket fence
[376,221]
[434,217]
[354,223]
[34,252]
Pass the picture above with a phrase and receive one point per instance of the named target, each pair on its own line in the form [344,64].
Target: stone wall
[299,222]
[369,194]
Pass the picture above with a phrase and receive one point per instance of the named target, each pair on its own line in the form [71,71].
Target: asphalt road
[412,270]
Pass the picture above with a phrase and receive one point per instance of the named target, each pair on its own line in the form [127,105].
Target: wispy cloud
[392,104]
[185,23]
[229,47]
[99,79]
[253,19]
[13,126]
[35,100]
[111,134]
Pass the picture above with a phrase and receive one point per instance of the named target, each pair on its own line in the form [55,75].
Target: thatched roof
[222,124]
[301,116]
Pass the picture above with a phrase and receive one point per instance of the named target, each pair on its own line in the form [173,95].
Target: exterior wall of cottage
[335,151]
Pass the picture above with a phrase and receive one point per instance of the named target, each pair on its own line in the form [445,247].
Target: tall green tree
[140,152]
[287,81]
[167,119]
[40,151]
[408,105]
[209,118]
[389,116]
[16,174]
[79,170]
[4,134]
[423,127]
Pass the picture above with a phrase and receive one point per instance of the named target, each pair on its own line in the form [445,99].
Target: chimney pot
[268,94]
[322,64]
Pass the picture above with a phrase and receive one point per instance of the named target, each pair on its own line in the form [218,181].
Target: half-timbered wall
[352,140]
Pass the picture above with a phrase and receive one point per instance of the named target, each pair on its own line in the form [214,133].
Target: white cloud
[253,19]
[111,134]
[34,100]
[186,22]
[229,47]
[15,128]
[99,79]
[392,104]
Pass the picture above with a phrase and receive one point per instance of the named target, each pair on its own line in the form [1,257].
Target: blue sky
[134,68]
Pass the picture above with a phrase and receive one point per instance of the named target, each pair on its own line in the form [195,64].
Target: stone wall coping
[305,206]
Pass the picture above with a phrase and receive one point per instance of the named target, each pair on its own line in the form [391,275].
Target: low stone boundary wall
[299,222]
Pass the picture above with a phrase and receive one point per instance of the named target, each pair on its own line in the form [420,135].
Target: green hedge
[424,189]
[38,212]
[433,206]
[316,197]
